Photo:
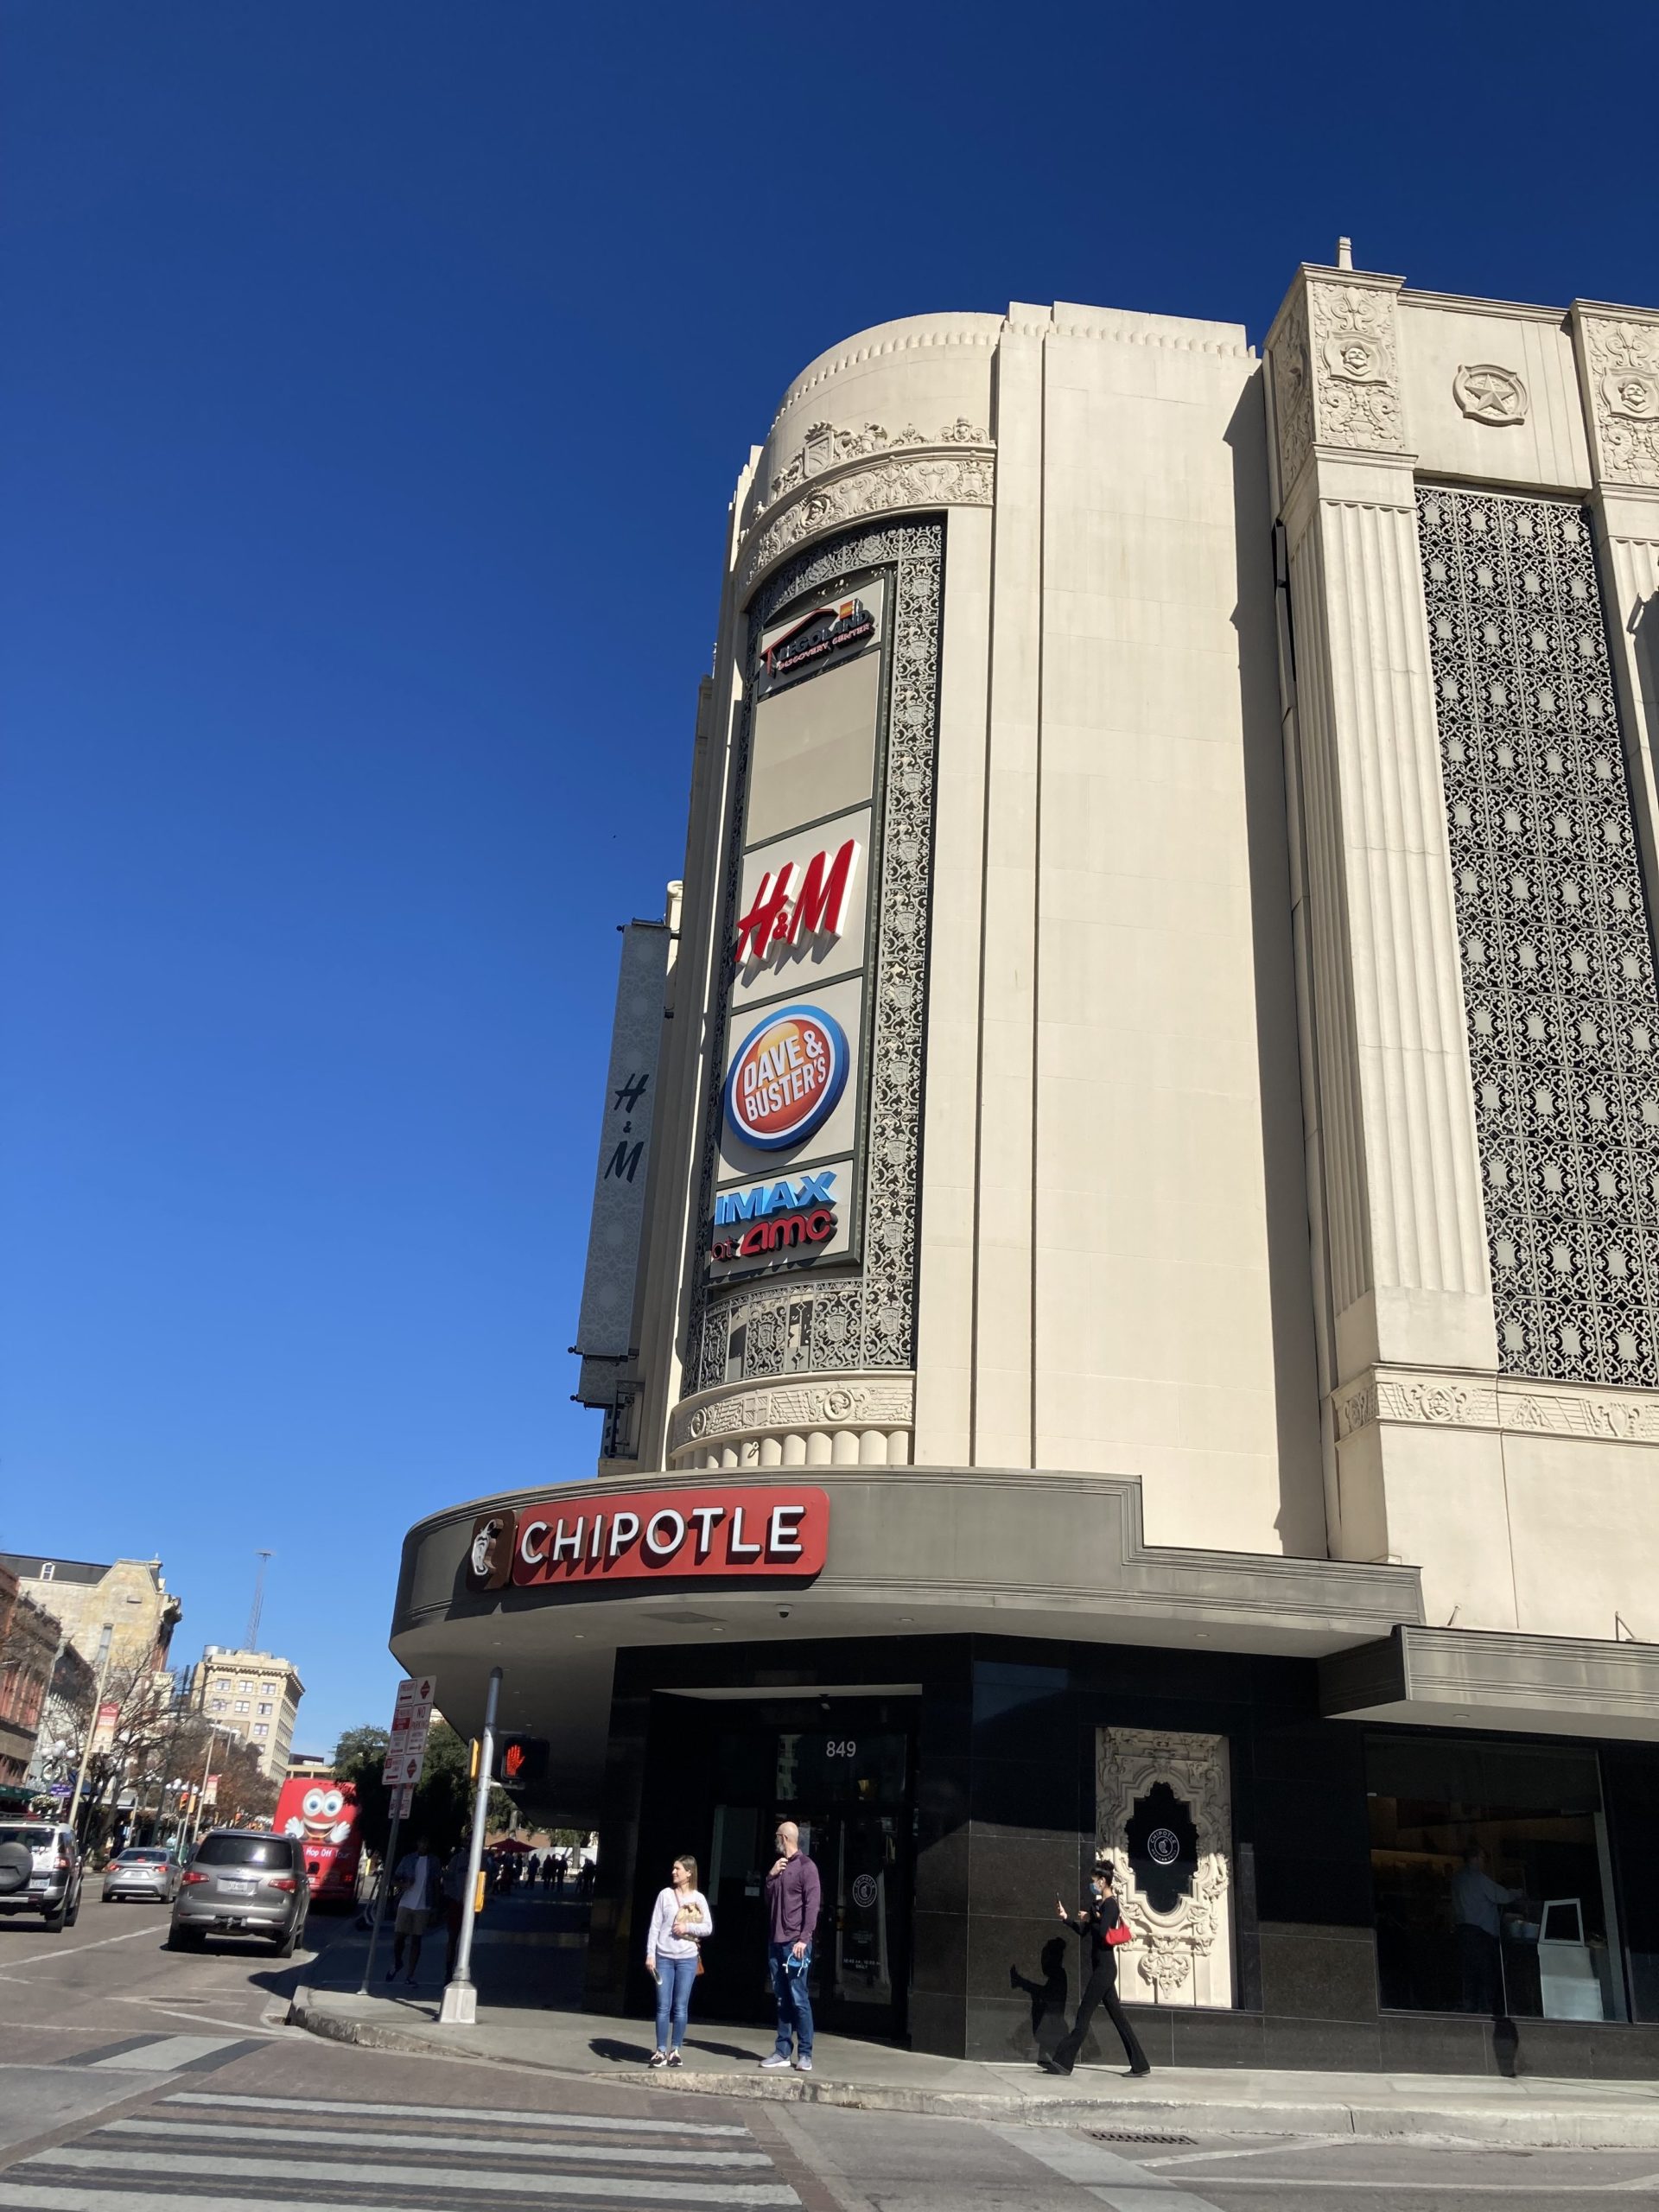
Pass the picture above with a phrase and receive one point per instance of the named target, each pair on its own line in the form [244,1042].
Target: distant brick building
[30,1637]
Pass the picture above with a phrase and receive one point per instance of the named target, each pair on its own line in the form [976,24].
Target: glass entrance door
[863,1934]
[848,1794]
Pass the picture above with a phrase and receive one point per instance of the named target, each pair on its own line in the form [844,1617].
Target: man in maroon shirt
[793,1896]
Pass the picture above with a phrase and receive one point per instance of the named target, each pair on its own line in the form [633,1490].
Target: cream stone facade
[128,1596]
[1108,977]
[1178,1226]
[1175,1004]
[255,1693]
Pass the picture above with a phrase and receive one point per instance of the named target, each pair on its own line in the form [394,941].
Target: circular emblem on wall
[864,1890]
[1487,393]
[785,1077]
[1163,1846]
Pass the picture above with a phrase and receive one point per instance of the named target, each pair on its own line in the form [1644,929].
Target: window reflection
[1492,1880]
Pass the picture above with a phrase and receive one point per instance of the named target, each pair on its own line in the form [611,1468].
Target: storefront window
[1493,1882]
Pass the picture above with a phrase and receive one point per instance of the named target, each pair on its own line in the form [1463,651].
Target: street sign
[402,1803]
[59,1789]
[411,1719]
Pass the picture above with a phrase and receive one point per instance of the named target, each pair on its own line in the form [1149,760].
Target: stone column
[1400,1172]
[1618,351]
[1409,1277]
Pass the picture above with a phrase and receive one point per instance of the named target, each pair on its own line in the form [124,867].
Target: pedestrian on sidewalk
[680,1923]
[794,1894]
[455,1904]
[1099,1923]
[415,1886]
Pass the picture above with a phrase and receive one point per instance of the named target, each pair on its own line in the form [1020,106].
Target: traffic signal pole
[459,1998]
[381,1890]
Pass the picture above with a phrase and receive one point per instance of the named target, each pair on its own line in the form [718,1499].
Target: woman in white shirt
[679,1922]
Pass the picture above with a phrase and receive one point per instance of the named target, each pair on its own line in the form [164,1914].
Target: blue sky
[375,379]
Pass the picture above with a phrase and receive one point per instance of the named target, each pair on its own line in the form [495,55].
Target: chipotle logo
[776,1534]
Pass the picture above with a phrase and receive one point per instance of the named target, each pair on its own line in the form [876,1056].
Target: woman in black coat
[1092,1923]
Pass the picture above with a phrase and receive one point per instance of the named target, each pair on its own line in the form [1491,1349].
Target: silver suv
[241,1881]
[40,1872]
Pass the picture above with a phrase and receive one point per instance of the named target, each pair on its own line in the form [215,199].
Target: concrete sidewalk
[1528,2114]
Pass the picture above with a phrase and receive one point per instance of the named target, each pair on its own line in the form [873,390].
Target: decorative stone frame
[1183,1957]
[813,1321]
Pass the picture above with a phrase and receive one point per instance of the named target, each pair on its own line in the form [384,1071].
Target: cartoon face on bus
[323,1813]
[319,1817]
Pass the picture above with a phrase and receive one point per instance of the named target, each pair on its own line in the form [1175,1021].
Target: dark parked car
[241,1881]
[148,1872]
[40,1872]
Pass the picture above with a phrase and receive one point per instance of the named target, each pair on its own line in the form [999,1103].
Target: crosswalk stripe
[28,2196]
[600,2123]
[379,2177]
[165,2055]
[362,2138]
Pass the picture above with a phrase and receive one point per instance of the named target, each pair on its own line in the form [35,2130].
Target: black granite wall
[1003,1818]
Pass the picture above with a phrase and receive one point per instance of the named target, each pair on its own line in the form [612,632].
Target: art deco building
[1125,1280]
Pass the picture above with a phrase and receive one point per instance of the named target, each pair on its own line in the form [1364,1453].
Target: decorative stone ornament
[1180,1904]
[1622,355]
[862,1420]
[826,447]
[851,490]
[1560,995]
[1487,393]
[1335,365]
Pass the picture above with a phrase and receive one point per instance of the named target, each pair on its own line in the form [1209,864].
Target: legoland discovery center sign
[786,1077]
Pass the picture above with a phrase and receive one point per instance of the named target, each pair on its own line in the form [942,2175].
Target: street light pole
[214,1728]
[459,1998]
[96,1714]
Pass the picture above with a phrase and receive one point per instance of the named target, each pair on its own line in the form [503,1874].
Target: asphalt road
[134,2080]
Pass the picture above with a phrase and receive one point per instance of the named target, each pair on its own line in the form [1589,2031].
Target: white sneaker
[775,2064]
[802,2066]
[659,2058]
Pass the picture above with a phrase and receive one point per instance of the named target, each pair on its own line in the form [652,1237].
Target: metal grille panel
[1557,959]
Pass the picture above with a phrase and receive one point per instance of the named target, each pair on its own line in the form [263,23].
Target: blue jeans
[674,1980]
[794,2004]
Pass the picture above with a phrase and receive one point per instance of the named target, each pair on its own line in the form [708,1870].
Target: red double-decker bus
[323,1814]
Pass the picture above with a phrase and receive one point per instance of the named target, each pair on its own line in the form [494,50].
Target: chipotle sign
[672,1536]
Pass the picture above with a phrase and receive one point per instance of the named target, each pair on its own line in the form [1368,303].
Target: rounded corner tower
[1044,733]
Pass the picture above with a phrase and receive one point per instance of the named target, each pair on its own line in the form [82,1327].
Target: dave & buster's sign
[775,1535]
[786,1077]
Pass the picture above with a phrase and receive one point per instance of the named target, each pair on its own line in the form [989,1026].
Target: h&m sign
[675,1536]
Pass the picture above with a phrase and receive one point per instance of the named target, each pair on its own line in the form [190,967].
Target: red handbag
[1121,1934]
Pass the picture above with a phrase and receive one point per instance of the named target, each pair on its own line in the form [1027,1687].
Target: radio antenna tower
[252,1642]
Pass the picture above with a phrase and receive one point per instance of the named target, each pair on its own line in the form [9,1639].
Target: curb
[1533,2127]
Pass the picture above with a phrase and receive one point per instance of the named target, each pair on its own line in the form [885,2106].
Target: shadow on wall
[1300,1518]
[1049,1997]
[1644,632]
